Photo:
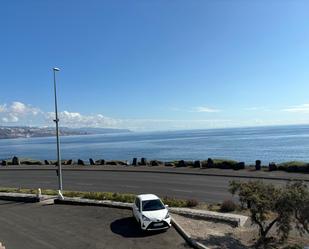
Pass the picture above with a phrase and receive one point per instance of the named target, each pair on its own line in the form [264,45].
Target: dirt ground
[217,235]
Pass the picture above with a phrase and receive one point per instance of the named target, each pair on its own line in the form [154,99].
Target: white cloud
[13,112]
[75,119]
[257,109]
[23,109]
[18,113]
[304,108]
[204,109]
[13,118]
[2,108]
[173,124]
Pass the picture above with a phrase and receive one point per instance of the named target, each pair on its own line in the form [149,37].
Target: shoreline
[222,164]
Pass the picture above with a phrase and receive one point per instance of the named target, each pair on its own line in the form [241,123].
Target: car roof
[146,197]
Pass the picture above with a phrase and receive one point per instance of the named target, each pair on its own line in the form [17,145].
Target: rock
[4,163]
[169,164]
[80,162]
[100,162]
[134,162]
[123,163]
[91,161]
[31,162]
[47,162]
[111,163]
[238,166]
[258,165]
[143,161]
[182,163]
[210,163]
[116,162]
[156,163]
[15,161]
[272,166]
[69,162]
[197,164]
[227,165]
[203,164]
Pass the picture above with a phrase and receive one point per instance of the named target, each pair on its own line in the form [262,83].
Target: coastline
[248,172]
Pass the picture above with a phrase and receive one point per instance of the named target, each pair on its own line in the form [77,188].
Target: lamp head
[56,69]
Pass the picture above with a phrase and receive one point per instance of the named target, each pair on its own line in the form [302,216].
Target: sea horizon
[268,143]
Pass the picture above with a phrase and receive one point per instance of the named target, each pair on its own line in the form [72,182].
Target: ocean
[268,144]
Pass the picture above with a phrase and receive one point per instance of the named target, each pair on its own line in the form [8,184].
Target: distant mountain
[24,131]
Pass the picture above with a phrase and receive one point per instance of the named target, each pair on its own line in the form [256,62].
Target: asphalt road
[40,225]
[201,187]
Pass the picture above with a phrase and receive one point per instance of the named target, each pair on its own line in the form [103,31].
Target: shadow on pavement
[223,242]
[3,203]
[128,227]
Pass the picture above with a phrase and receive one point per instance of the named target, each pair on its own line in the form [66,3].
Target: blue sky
[155,65]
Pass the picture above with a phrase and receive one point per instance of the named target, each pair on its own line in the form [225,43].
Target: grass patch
[221,161]
[119,197]
[215,207]
[294,166]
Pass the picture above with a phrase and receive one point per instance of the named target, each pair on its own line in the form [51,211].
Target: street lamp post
[55,69]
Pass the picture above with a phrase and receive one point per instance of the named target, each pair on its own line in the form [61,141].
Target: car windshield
[152,205]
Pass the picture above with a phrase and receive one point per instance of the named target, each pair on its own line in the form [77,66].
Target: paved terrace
[44,225]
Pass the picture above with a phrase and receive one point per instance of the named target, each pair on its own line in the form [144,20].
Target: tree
[271,205]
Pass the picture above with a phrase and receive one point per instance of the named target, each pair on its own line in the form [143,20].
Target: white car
[151,213]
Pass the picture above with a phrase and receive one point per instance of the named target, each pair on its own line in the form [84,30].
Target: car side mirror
[166,206]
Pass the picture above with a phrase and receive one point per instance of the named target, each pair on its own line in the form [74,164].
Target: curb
[18,197]
[193,243]
[89,202]
[88,168]
[235,220]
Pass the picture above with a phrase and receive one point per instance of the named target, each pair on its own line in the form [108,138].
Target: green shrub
[215,207]
[270,205]
[173,202]
[228,206]
[191,203]
[224,163]
[294,166]
[272,166]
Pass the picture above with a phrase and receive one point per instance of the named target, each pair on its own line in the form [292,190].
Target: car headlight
[145,218]
[167,215]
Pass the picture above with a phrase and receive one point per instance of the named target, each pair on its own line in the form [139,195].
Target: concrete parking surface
[42,225]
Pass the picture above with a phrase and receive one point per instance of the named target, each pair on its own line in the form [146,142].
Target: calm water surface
[244,144]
